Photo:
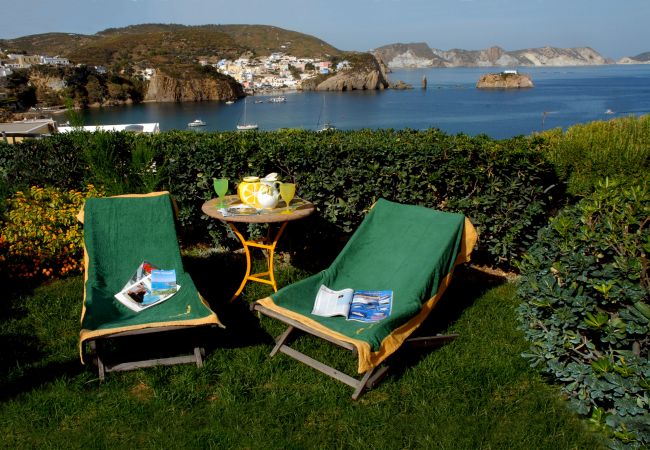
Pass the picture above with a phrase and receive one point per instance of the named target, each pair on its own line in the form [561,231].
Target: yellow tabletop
[299,210]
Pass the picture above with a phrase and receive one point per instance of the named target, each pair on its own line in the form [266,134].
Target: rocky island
[505,80]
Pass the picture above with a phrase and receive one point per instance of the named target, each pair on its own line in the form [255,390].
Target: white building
[149,128]
[55,61]
[343,65]
[145,74]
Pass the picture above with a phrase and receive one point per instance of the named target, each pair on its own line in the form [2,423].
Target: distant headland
[420,55]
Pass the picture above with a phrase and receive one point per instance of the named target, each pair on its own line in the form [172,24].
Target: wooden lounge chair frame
[368,380]
[96,353]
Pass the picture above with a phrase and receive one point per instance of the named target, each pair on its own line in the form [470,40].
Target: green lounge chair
[119,234]
[408,249]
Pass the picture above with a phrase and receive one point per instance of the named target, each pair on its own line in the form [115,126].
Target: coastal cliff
[366,73]
[163,88]
[505,81]
[419,55]
[374,79]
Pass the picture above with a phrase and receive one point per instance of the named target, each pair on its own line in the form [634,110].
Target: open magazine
[147,287]
[360,305]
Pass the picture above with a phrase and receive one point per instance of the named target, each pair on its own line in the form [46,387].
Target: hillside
[644,57]
[420,55]
[641,58]
[169,46]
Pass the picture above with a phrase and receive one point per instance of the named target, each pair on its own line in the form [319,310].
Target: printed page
[370,306]
[332,303]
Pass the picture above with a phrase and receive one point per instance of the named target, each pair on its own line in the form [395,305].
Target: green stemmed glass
[220,187]
[287,191]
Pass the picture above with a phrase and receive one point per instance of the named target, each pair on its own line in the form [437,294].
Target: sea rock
[401,85]
[372,75]
[505,81]
[163,88]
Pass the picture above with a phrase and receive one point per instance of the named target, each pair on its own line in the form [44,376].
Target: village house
[5,71]
[55,61]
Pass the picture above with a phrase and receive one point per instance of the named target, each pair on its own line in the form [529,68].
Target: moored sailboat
[245,126]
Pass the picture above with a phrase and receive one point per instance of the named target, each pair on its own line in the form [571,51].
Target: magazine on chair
[360,305]
[147,287]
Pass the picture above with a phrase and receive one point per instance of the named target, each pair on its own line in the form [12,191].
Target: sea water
[562,96]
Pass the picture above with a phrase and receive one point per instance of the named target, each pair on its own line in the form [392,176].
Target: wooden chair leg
[198,355]
[280,340]
[362,384]
[431,341]
[375,379]
[94,348]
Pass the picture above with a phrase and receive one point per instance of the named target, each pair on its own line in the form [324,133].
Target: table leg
[266,244]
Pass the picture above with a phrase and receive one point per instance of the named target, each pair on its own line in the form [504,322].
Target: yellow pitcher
[247,191]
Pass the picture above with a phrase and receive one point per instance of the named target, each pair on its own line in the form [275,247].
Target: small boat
[326,127]
[609,111]
[196,123]
[278,99]
[230,102]
[244,126]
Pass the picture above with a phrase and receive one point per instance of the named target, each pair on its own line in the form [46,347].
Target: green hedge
[506,189]
[585,287]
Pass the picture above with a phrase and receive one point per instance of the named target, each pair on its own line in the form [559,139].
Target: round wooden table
[299,210]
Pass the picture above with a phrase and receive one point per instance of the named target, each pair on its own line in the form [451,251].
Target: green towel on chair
[119,234]
[408,249]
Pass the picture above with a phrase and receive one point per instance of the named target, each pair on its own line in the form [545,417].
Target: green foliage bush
[500,185]
[505,188]
[585,287]
[117,162]
[55,161]
[586,153]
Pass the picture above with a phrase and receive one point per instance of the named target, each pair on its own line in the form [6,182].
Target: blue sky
[613,28]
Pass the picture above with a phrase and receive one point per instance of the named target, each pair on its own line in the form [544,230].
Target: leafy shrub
[117,163]
[41,236]
[503,186]
[55,161]
[585,287]
[500,185]
[586,153]
[120,163]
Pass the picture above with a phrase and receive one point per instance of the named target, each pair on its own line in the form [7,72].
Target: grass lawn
[476,392]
